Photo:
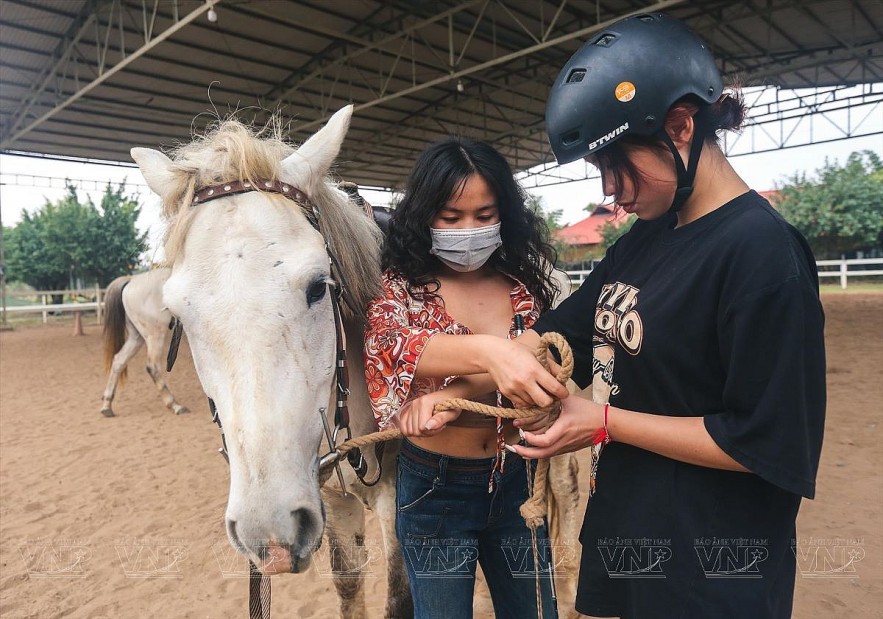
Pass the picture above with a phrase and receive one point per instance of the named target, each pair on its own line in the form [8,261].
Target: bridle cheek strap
[341,378]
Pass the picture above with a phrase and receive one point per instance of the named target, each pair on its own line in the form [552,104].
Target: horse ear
[309,164]
[156,169]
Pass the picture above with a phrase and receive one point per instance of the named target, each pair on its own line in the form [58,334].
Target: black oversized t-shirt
[717,319]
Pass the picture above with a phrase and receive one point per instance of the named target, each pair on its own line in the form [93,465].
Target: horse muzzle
[279,559]
[271,554]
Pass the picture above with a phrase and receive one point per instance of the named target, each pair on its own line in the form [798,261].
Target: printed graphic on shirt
[616,318]
[602,388]
[616,322]
[602,372]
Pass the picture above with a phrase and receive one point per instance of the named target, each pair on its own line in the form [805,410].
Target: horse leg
[564,521]
[133,344]
[345,529]
[156,369]
[399,604]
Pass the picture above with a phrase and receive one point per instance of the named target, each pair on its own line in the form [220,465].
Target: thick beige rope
[534,509]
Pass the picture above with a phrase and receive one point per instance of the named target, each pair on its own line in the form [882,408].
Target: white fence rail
[842,271]
[45,307]
[824,266]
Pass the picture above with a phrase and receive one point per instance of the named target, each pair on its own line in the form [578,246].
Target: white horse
[135,316]
[251,284]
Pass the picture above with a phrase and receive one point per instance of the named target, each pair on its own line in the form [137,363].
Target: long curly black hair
[439,171]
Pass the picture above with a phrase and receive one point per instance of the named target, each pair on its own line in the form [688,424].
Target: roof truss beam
[64,68]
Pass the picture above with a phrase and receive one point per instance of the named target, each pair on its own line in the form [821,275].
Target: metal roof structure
[92,78]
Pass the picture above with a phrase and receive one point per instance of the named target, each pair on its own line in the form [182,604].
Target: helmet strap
[687,174]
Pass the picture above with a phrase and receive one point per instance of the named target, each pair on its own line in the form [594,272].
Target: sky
[760,171]
[28,182]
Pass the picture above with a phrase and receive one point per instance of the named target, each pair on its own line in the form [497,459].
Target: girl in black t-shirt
[701,333]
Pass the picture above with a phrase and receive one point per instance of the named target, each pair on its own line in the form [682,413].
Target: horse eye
[316,292]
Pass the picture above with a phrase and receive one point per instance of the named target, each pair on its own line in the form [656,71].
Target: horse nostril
[304,523]
[234,538]
[301,519]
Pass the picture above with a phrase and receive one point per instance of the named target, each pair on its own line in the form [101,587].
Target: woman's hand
[418,418]
[520,377]
[537,424]
[574,429]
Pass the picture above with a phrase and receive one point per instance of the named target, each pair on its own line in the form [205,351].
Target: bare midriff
[475,438]
[467,442]
[481,300]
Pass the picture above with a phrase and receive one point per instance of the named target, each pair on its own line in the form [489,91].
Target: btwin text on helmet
[606,138]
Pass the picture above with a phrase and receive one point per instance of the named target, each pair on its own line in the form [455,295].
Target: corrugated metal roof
[400,62]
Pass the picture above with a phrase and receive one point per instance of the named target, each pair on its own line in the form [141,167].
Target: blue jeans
[447,522]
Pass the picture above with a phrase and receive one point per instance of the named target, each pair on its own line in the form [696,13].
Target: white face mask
[465,249]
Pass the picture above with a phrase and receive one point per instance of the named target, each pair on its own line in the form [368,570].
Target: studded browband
[207,194]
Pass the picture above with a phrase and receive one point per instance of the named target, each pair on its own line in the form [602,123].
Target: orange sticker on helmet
[624,91]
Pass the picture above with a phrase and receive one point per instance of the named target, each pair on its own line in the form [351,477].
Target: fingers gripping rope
[534,509]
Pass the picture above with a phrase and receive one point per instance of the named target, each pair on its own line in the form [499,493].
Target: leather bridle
[338,289]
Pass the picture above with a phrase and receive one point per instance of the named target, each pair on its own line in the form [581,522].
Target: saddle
[381,214]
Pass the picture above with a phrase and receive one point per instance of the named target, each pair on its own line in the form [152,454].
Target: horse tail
[114,322]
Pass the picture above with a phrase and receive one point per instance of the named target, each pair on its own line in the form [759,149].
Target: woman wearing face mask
[463,263]
[701,333]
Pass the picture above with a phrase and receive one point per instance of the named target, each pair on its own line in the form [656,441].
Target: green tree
[841,209]
[69,239]
[552,219]
[27,257]
[612,230]
[119,244]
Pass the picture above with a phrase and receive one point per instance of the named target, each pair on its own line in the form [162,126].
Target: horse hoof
[181,410]
[107,412]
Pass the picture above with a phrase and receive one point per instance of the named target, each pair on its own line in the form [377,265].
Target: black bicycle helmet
[623,81]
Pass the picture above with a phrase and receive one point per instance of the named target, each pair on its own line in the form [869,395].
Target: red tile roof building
[582,240]
[587,231]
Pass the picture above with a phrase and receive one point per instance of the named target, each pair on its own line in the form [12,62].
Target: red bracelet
[601,435]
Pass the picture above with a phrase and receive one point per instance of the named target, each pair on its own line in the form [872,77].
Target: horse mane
[232,150]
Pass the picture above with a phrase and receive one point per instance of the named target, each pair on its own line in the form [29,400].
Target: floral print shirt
[399,326]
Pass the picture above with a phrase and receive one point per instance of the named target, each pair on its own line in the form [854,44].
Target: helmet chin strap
[687,174]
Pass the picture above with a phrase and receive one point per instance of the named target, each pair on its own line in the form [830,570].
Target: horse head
[251,284]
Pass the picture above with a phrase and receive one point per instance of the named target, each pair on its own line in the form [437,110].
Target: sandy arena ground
[124,517]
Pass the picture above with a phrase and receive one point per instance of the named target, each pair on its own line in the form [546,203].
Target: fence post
[78,324]
[45,315]
[843,272]
[98,302]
